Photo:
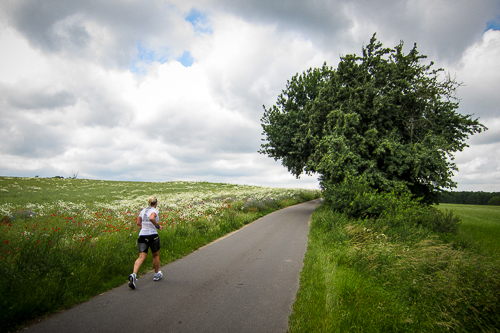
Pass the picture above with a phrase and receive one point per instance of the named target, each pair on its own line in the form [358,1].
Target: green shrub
[398,209]
[355,197]
[340,197]
[441,222]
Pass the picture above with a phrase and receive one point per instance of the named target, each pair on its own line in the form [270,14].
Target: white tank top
[148,228]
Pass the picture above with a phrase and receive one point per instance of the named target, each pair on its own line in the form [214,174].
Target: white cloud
[18,59]
[479,70]
[110,33]
[95,88]
[173,123]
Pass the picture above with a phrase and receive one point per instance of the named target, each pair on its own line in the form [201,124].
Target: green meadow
[64,241]
[479,223]
[400,273]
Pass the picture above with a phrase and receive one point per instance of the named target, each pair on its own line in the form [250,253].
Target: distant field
[482,223]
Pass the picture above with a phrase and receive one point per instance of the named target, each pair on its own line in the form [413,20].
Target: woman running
[148,238]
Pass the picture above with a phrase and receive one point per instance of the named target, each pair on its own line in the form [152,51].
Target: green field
[391,274]
[481,223]
[64,241]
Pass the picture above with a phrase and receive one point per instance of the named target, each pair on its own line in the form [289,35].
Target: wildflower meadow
[64,241]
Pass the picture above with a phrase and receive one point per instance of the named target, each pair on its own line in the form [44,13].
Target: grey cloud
[194,128]
[36,19]
[324,22]
[71,35]
[442,29]
[82,123]
[201,145]
[480,107]
[314,16]
[93,106]
[59,26]
[40,100]
[29,139]
[101,109]
[489,137]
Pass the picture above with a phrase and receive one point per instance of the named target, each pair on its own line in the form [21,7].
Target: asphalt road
[244,282]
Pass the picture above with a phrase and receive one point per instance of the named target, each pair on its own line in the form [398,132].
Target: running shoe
[133,279]
[158,276]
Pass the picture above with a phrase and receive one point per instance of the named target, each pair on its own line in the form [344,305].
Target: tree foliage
[384,116]
[495,201]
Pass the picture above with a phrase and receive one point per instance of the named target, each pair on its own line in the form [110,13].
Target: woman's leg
[156,261]
[140,260]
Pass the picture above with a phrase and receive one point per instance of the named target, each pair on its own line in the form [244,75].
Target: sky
[151,90]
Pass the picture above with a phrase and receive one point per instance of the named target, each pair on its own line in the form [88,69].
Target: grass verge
[372,275]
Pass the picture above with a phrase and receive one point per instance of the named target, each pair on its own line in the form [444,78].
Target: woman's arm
[152,218]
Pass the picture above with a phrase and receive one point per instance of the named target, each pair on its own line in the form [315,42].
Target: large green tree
[385,117]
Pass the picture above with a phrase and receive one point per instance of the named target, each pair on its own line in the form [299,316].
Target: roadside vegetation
[64,241]
[381,130]
[401,267]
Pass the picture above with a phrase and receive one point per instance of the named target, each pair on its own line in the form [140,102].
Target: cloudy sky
[153,90]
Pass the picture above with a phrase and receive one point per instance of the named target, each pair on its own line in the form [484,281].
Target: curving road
[244,282]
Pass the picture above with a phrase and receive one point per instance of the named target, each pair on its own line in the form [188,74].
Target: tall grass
[393,274]
[66,241]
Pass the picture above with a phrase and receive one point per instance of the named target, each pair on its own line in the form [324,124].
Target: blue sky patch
[144,58]
[138,68]
[150,56]
[493,24]
[186,59]
[199,21]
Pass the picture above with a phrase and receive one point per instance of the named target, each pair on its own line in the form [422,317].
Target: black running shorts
[149,241]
